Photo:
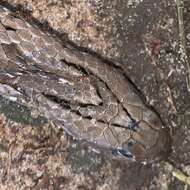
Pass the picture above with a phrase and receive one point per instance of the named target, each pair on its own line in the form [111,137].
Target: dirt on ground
[143,37]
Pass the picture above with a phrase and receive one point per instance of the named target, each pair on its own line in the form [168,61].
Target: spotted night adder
[90,99]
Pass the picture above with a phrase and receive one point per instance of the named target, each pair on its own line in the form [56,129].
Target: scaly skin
[92,100]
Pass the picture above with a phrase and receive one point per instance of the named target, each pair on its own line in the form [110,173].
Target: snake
[91,99]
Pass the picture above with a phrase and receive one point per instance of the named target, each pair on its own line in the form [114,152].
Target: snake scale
[90,99]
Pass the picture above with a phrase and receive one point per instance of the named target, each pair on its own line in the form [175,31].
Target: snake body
[89,98]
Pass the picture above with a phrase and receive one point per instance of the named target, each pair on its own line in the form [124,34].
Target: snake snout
[148,143]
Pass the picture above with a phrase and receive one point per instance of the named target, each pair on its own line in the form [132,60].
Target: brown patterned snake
[91,99]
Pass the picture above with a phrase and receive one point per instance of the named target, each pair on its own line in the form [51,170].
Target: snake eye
[133,125]
[130,144]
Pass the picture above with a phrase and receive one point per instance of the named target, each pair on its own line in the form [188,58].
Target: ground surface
[142,36]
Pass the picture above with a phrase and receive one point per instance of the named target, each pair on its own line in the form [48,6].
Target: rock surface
[142,36]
